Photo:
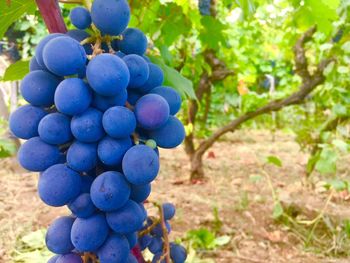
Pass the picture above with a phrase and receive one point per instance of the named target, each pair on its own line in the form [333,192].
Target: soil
[237,185]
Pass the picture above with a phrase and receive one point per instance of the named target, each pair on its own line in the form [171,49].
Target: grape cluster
[93,125]
[204,7]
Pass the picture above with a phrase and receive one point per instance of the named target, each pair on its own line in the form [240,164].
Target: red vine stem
[51,13]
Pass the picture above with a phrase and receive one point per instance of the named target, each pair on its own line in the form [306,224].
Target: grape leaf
[12,11]
[16,71]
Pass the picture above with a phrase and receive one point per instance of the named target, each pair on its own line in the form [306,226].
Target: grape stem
[166,249]
[51,13]
[150,228]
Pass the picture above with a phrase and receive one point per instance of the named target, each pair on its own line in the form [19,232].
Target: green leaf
[341,145]
[327,162]
[7,148]
[175,80]
[274,160]
[35,240]
[9,13]
[16,71]
[202,238]
[277,210]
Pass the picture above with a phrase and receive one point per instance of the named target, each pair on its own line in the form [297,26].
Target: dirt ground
[237,185]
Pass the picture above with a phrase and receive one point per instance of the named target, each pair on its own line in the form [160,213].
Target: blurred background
[263,175]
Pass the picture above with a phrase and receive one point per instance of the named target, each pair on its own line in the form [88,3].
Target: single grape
[82,206]
[110,191]
[111,17]
[54,128]
[73,96]
[151,143]
[36,155]
[133,41]
[64,56]
[80,17]
[132,239]
[156,245]
[139,70]
[115,249]
[204,7]
[59,185]
[40,48]
[69,258]
[139,193]
[144,241]
[108,75]
[53,259]
[151,111]
[103,103]
[133,96]
[82,157]
[87,127]
[169,135]
[155,79]
[127,219]
[171,96]
[111,151]
[88,234]
[119,122]
[178,253]
[34,65]
[158,230]
[38,88]
[80,35]
[140,165]
[58,235]
[144,211]
[169,211]
[25,120]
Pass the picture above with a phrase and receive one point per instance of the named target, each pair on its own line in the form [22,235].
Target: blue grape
[111,151]
[103,103]
[140,165]
[144,241]
[82,157]
[110,191]
[204,7]
[120,54]
[134,42]
[58,235]
[80,17]
[168,211]
[53,259]
[169,135]
[151,111]
[155,79]
[64,56]
[115,249]
[139,70]
[139,193]
[59,185]
[86,182]
[82,206]
[111,17]
[131,259]
[69,258]
[156,245]
[144,211]
[80,35]
[54,128]
[40,48]
[25,120]
[158,230]
[133,96]
[73,96]
[127,219]
[132,239]
[108,75]
[36,155]
[171,96]
[146,58]
[178,253]
[38,88]
[34,65]
[87,127]
[119,122]
[88,234]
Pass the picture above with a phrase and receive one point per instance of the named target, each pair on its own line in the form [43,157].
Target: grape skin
[80,35]
[54,128]
[69,258]
[34,65]
[64,56]
[119,122]
[103,103]
[40,48]
[139,193]
[111,151]
[80,17]
[169,211]
[82,157]
[134,42]
[25,120]
[108,75]
[132,239]
[58,235]
[110,191]
[59,185]
[156,78]
[171,96]
[88,234]
[38,88]
[115,249]
[140,165]
[139,70]
[82,206]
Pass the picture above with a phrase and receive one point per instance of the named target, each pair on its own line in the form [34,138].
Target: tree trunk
[197,171]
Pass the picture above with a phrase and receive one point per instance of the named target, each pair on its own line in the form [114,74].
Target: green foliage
[205,239]
[16,71]
[274,160]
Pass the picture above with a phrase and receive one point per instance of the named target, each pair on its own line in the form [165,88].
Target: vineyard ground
[236,185]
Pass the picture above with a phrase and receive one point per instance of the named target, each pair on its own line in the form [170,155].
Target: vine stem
[166,249]
[51,13]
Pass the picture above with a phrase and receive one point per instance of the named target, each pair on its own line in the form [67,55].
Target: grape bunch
[204,7]
[97,113]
